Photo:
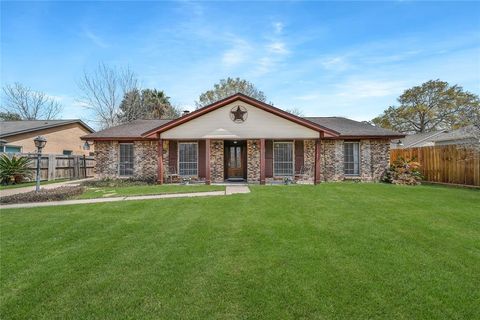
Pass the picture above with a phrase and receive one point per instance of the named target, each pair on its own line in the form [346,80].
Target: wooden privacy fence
[445,164]
[55,166]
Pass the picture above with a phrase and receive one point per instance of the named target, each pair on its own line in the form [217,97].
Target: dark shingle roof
[417,140]
[344,126]
[467,132]
[352,128]
[132,129]
[9,128]
[430,138]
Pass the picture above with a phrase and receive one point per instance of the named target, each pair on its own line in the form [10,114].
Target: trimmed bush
[114,183]
[56,194]
[403,171]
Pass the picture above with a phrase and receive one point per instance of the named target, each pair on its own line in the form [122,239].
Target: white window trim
[359,159]
[4,148]
[119,156]
[178,158]
[273,157]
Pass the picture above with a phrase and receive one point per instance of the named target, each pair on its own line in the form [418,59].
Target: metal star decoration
[238,114]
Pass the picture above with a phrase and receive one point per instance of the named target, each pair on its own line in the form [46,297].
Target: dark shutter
[268,158]
[299,161]
[172,155]
[201,159]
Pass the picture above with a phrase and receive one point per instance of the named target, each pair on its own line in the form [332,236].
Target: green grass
[145,190]
[333,251]
[30,184]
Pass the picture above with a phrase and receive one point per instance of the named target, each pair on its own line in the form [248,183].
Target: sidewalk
[9,192]
[228,191]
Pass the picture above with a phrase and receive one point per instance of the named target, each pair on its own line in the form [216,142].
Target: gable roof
[417,140]
[333,126]
[251,101]
[131,130]
[429,138]
[10,128]
[467,132]
[351,128]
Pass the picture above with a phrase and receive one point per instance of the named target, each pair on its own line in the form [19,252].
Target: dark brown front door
[234,158]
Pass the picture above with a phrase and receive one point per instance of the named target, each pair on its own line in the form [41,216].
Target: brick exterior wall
[374,159]
[106,156]
[166,159]
[145,165]
[253,161]
[216,161]
[309,159]
[331,157]
[380,153]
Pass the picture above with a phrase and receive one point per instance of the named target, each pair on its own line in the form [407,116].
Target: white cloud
[367,88]
[277,47]
[97,40]
[237,54]
[335,63]
[278,27]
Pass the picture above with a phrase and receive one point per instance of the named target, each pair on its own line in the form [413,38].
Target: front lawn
[333,251]
[103,192]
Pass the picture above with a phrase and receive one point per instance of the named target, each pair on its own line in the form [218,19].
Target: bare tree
[103,89]
[295,111]
[30,104]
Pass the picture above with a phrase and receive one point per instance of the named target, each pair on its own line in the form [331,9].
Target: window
[235,158]
[188,159]
[351,158]
[67,152]
[12,149]
[125,166]
[283,159]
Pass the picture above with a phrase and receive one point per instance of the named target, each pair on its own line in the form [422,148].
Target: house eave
[261,105]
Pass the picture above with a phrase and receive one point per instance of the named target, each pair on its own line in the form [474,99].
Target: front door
[234,158]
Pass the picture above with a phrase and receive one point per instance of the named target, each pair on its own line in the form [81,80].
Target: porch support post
[160,160]
[207,161]
[262,161]
[317,161]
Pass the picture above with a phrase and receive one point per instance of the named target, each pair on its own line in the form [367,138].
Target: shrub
[113,183]
[403,171]
[56,194]
[14,169]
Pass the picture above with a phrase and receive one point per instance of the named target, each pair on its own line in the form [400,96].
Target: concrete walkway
[228,191]
[9,192]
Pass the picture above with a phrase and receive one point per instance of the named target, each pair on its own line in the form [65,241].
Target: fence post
[76,169]
[52,166]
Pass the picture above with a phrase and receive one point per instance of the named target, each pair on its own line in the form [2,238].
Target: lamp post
[40,143]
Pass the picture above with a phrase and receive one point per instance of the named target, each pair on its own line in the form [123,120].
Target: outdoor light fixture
[40,143]
[86,146]
[254,145]
[399,143]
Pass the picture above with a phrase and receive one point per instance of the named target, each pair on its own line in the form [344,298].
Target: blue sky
[348,59]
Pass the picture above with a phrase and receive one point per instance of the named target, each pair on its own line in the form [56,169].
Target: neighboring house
[242,139]
[63,136]
[463,136]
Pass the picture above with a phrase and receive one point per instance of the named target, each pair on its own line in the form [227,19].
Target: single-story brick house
[240,138]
